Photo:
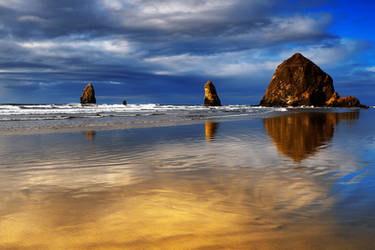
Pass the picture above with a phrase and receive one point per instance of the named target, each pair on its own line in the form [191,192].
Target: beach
[187,177]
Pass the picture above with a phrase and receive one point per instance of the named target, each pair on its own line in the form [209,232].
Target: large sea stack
[300,82]
[88,95]
[210,95]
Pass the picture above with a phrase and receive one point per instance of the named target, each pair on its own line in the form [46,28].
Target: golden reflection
[300,135]
[172,212]
[90,135]
[144,201]
[211,130]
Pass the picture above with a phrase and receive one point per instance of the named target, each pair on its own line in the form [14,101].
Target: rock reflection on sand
[300,135]
[211,130]
[90,135]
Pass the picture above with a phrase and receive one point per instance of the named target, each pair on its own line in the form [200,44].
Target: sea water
[27,119]
[234,177]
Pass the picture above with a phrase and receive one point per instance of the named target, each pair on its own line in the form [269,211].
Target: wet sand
[296,181]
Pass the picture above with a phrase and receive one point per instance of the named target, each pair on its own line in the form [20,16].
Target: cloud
[219,65]
[331,52]
[165,26]
[116,46]
[153,42]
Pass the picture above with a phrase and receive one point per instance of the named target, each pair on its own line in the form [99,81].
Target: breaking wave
[68,111]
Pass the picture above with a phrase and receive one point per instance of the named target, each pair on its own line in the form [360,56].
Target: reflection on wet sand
[143,189]
[90,135]
[172,211]
[211,130]
[300,135]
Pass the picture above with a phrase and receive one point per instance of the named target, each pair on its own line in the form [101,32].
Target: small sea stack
[348,101]
[300,82]
[88,95]
[210,96]
[124,102]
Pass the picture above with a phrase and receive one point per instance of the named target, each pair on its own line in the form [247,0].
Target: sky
[163,51]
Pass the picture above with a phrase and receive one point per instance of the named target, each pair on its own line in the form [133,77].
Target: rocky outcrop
[124,102]
[296,82]
[210,96]
[300,82]
[88,95]
[349,101]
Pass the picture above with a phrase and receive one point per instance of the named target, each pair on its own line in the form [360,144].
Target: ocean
[186,177]
[34,118]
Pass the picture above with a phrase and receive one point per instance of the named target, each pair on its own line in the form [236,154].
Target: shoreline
[136,121]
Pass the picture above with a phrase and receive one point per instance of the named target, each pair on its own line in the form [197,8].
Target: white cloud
[108,45]
[167,7]
[26,70]
[30,18]
[223,64]
[295,27]
[13,4]
[114,82]
[341,51]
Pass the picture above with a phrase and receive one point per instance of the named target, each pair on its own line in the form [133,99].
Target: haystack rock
[296,82]
[124,102]
[300,82]
[210,95]
[88,95]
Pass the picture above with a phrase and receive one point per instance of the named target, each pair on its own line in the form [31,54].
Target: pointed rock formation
[300,82]
[88,95]
[296,82]
[210,95]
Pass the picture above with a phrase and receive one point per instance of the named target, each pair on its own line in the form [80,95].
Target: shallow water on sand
[301,180]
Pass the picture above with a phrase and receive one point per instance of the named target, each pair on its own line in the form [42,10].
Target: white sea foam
[53,116]
[53,109]
[26,119]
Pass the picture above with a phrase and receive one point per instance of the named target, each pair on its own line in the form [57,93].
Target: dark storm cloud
[37,19]
[164,26]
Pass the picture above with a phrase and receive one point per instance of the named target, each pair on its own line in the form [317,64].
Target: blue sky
[163,51]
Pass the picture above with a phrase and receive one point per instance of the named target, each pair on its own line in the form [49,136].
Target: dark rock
[296,82]
[124,102]
[300,82]
[88,95]
[333,100]
[210,95]
[349,101]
